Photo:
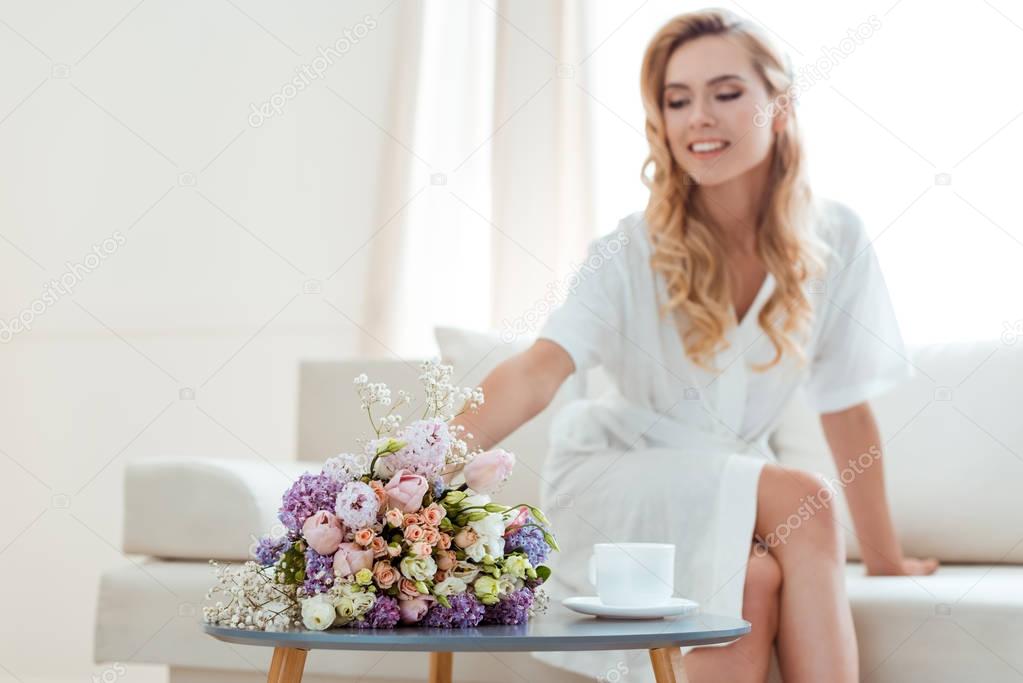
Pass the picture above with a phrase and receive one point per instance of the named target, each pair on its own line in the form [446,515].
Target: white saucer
[591,604]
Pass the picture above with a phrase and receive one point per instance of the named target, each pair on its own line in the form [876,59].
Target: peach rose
[413,533]
[408,587]
[394,517]
[466,537]
[422,549]
[350,558]
[439,576]
[379,547]
[446,559]
[378,489]
[323,532]
[431,536]
[434,513]
[405,490]
[394,550]
[444,542]
[364,536]
[414,609]
[412,518]
[385,575]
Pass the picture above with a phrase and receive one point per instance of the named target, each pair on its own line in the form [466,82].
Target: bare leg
[816,639]
[749,658]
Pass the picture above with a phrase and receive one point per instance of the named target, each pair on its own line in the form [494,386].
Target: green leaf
[444,601]
[543,572]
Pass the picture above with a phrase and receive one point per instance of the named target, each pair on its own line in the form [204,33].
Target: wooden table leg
[440,667]
[667,663]
[287,665]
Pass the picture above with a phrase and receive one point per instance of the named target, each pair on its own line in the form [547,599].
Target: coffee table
[559,629]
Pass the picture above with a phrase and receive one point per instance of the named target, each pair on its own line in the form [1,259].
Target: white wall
[132,119]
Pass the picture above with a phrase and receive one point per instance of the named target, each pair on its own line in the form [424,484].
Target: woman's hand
[910,566]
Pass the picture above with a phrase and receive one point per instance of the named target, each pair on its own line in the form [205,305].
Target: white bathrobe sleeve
[590,318]
[860,353]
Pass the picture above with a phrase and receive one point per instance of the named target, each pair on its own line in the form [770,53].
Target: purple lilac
[319,572]
[383,614]
[512,609]
[529,539]
[269,549]
[438,488]
[310,493]
[466,611]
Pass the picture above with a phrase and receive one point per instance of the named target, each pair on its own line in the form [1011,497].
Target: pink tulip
[405,491]
[350,558]
[414,609]
[323,532]
[487,471]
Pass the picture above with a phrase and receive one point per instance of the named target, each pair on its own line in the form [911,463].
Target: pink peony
[323,532]
[487,471]
[350,558]
[405,491]
[414,609]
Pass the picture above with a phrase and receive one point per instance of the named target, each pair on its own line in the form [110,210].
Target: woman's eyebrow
[712,81]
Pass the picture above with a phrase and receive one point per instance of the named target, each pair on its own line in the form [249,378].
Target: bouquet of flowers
[380,537]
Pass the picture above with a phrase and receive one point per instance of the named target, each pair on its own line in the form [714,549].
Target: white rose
[317,613]
[450,586]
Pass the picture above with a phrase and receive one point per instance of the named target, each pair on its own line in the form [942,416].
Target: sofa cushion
[202,508]
[953,453]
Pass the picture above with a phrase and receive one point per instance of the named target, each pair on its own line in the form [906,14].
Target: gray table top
[560,629]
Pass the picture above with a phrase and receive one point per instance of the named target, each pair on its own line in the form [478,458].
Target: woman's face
[712,97]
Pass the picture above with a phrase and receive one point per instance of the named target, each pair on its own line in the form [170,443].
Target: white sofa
[954,469]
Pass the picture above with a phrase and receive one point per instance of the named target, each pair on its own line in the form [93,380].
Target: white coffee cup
[633,574]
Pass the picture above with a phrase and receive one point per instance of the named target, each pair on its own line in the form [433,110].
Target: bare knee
[763,581]
[795,510]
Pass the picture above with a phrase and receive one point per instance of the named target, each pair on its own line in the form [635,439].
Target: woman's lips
[705,154]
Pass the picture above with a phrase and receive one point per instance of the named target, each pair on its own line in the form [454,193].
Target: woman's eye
[677,104]
[724,97]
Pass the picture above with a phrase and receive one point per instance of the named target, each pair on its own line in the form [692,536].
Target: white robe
[673,453]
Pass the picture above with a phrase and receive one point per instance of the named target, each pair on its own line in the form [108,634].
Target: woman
[733,288]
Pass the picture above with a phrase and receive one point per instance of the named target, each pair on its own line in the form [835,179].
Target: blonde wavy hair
[687,251]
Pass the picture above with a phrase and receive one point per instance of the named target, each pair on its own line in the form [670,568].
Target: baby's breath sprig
[252,599]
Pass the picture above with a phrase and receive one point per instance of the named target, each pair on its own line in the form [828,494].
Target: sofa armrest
[202,508]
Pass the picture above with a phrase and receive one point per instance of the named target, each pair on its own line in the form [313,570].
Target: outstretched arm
[514,392]
[855,443]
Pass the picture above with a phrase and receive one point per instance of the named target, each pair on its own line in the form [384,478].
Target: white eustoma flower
[475,499]
[490,530]
[450,586]
[317,612]
[516,565]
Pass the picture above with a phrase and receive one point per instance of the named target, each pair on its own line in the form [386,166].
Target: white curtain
[486,199]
